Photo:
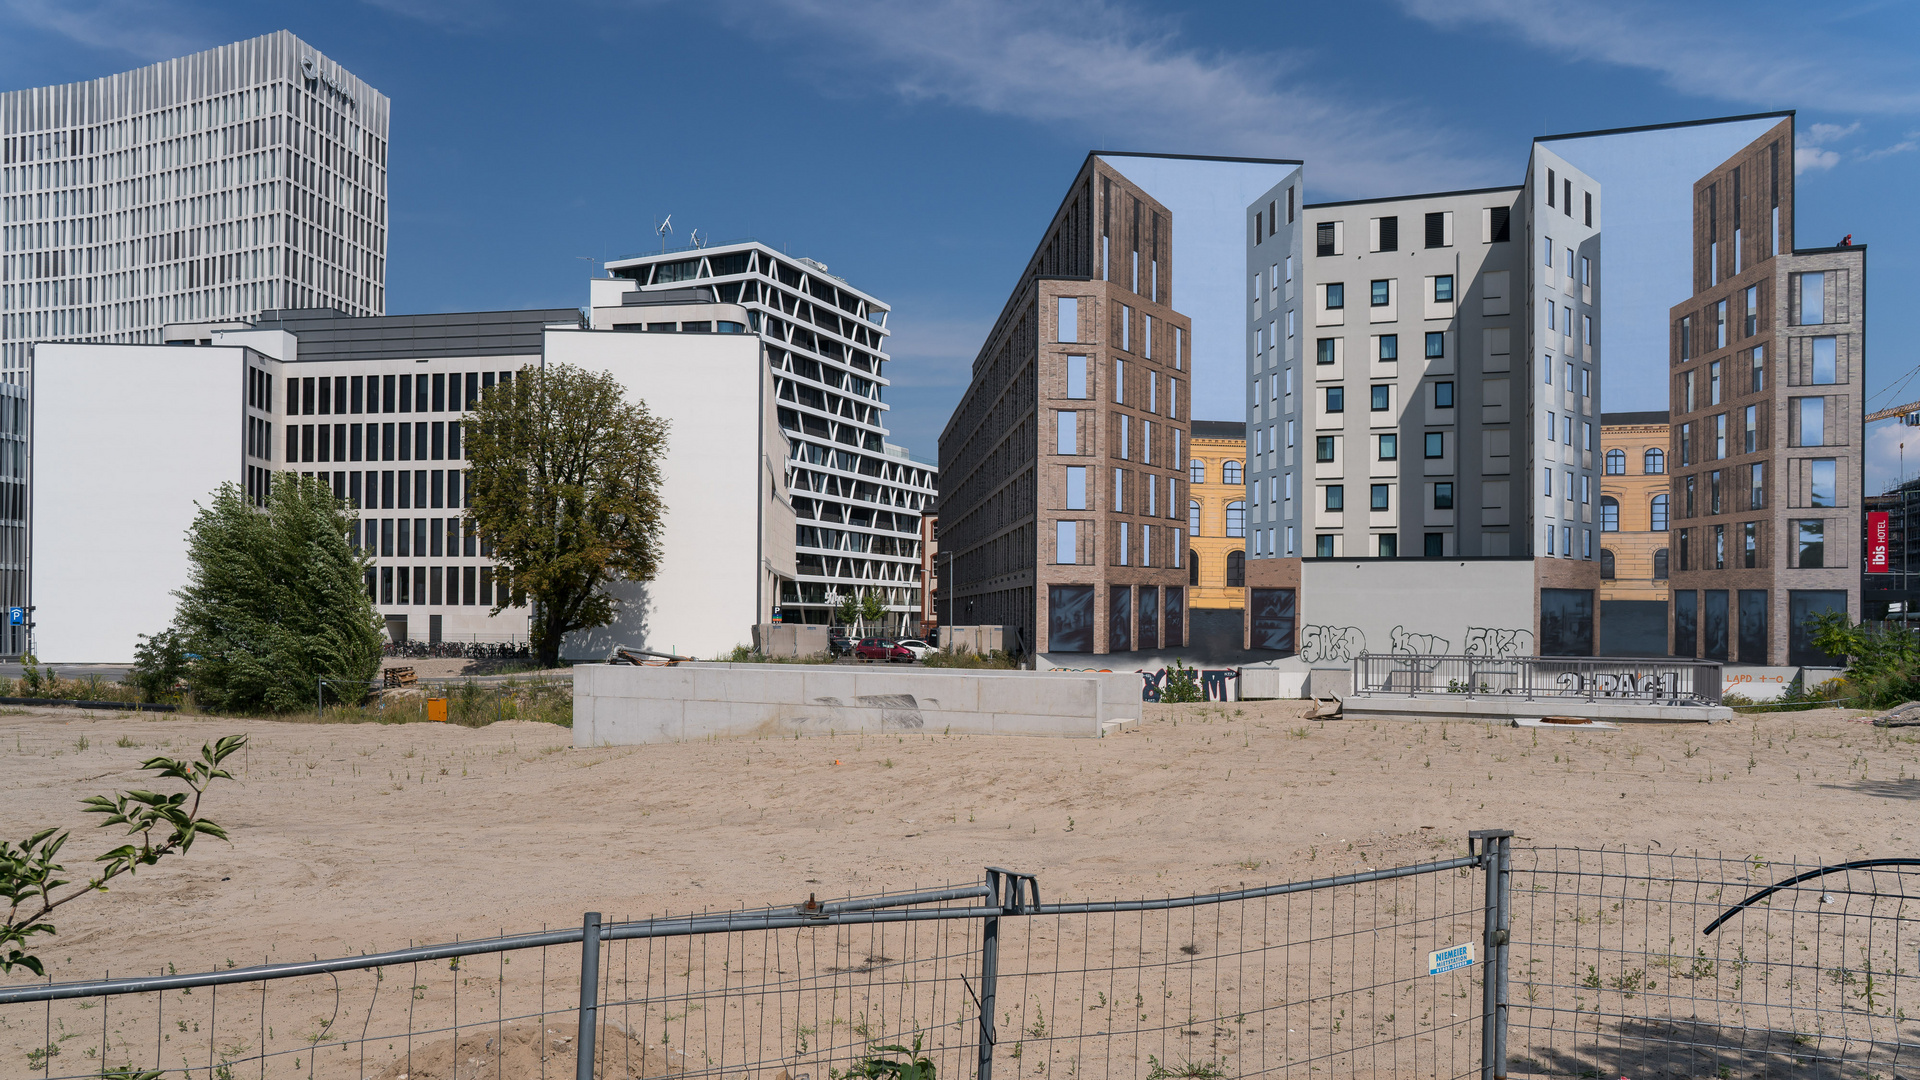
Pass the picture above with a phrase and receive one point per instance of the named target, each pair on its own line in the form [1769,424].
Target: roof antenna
[662,229]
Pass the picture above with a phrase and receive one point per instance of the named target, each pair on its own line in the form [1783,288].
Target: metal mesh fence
[1612,973]
[1598,964]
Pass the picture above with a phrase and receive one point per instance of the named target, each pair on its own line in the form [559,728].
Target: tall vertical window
[1193,517]
[1126,328]
[1076,487]
[1825,360]
[1810,544]
[1196,471]
[1659,513]
[1119,382]
[1609,514]
[1758,373]
[1821,476]
[1757,486]
[1076,376]
[1230,474]
[1750,318]
[1813,420]
[1813,299]
[1067,430]
[1616,462]
[1720,325]
[1068,308]
[1066,542]
[1237,519]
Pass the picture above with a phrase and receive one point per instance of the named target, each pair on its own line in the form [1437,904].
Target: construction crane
[1910,414]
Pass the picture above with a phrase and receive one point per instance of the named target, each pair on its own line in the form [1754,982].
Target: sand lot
[364,837]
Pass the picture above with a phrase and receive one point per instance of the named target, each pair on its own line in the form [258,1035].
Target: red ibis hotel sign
[1877,530]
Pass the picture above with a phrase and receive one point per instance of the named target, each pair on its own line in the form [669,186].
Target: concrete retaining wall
[625,705]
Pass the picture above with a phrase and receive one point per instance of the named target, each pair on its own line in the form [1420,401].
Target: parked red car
[887,649]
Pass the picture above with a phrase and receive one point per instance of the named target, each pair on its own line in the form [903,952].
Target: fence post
[589,994]
[989,973]
[1495,851]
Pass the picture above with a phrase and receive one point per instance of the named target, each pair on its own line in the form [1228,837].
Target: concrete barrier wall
[626,705]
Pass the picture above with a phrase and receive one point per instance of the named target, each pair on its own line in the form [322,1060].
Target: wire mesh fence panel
[1613,972]
[500,1014]
[1326,982]
[810,1001]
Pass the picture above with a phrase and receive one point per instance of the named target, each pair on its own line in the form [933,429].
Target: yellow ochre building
[1217,515]
[1635,505]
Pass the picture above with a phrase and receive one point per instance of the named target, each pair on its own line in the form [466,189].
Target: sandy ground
[349,838]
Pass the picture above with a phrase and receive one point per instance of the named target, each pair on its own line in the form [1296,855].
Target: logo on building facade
[310,68]
[1877,542]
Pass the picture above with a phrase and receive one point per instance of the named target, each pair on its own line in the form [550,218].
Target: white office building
[209,187]
[857,499]
[377,408]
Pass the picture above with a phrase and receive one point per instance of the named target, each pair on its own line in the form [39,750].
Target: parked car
[887,649]
[918,648]
[839,645]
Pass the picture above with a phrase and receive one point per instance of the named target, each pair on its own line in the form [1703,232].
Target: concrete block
[1040,695]
[1756,683]
[1028,723]
[1329,682]
[1270,682]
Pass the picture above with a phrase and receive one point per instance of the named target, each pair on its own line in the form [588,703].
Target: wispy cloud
[1904,146]
[147,31]
[1119,77]
[1765,63]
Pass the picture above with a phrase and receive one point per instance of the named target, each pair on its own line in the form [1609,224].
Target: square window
[1336,498]
[1436,444]
[1379,496]
[1436,344]
[1443,496]
[1443,289]
[1389,347]
[1382,398]
[1381,293]
[1389,546]
[1336,399]
[1323,448]
[1443,395]
[1323,547]
[1336,295]
[1389,448]
[1323,351]
[1436,545]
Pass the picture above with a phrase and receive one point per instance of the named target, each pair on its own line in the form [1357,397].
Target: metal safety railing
[1539,678]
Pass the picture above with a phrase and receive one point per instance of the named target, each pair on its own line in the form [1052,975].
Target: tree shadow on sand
[1638,1049]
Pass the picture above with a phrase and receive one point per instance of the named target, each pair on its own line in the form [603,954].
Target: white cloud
[1884,456]
[1122,80]
[1907,145]
[1702,52]
[1826,134]
[148,31]
[1812,157]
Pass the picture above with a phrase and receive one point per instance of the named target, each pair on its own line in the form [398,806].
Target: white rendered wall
[1347,606]
[714,391]
[127,440]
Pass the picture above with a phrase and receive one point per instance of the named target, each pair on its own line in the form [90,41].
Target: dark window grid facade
[828,372]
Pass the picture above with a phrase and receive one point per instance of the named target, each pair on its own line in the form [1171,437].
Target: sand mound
[520,1053]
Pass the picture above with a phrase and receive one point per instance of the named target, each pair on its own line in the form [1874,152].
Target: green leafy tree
[275,600]
[160,662]
[847,610]
[872,610]
[564,475]
[31,881]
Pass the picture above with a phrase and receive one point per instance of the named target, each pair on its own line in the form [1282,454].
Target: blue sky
[919,148]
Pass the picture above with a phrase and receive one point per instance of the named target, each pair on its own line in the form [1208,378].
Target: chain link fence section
[1614,972]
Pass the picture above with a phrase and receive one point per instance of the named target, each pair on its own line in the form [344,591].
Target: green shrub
[1883,663]
[1181,686]
[964,657]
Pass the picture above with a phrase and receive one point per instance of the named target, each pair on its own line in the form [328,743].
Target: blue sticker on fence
[1450,959]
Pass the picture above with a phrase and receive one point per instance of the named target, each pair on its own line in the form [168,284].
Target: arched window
[1236,518]
[1660,565]
[1230,473]
[1193,568]
[1237,570]
[1609,514]
[1659,513]
[1193,517]
[1616,462]
[1656,462]
[1606,565]
[1196,471]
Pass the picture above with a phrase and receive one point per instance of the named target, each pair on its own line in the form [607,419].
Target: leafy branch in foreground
[31,875]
